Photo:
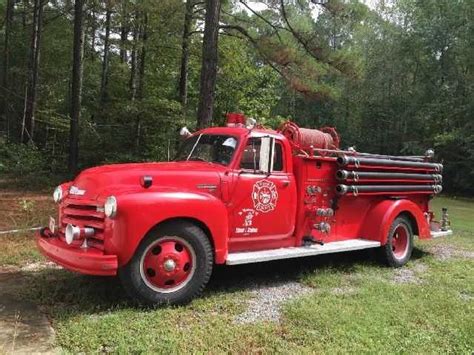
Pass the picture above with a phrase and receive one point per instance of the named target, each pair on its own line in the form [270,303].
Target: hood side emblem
[73,190]
[210,187]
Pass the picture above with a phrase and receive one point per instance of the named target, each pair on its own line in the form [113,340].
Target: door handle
[285,183]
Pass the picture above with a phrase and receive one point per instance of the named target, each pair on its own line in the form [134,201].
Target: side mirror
[267,152]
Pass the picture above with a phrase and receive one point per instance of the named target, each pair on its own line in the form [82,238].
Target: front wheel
[172,265]
[397,251]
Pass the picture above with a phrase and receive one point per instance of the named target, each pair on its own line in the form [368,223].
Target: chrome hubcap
[169,265]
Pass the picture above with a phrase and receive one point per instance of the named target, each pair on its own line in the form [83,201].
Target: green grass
[356,305]
[18,249]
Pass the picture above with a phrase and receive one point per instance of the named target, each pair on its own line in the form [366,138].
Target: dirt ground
[20,209]
[24,329]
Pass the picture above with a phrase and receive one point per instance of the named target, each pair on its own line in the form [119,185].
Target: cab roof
[241,131]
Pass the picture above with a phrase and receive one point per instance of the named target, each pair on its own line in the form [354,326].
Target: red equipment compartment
[316,178]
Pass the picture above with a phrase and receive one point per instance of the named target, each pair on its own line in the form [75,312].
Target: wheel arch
[380,217]
[192,220]
[412,219]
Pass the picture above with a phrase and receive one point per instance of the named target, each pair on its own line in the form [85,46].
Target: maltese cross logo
[264,196]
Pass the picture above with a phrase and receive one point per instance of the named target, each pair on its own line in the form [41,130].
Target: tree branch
[272,25]
[298,36]
[292,30]
[252,40]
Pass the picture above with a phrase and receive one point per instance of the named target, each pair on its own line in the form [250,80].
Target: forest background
[88,82]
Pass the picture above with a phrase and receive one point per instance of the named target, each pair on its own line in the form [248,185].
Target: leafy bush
[21,159]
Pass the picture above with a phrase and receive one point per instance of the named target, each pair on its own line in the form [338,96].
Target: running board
[438,234]
[298,252]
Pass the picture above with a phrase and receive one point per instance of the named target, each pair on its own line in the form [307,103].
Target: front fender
[138,213]
[381,216]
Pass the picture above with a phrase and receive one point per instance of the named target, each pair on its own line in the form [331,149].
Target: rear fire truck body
[238,195]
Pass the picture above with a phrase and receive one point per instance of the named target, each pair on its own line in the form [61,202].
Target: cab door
[263,200]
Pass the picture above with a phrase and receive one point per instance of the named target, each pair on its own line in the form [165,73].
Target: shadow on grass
[65,293]
[419,254]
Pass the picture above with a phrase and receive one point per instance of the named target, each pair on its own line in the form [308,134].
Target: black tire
[388,252]
[140,288]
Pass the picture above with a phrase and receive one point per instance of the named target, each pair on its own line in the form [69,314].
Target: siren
[235,119]
[239,120]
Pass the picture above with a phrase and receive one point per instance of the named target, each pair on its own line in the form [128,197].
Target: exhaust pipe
[360,189]
[368,175]
[74,232]
[347,160]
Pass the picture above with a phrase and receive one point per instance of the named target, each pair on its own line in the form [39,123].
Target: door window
[251,156]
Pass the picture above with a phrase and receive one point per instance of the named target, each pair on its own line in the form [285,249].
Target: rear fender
[380,217]
[139,213]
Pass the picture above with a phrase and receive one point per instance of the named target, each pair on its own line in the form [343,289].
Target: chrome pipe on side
[357,175]
[356,161]
[357,189]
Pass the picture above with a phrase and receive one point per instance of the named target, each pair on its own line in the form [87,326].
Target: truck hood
[116,179]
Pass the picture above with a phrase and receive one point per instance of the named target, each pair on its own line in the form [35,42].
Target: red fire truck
[239,194]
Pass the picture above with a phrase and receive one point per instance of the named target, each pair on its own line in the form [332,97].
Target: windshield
[212,148]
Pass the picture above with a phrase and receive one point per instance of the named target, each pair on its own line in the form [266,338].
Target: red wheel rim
[400,241]
[168,264]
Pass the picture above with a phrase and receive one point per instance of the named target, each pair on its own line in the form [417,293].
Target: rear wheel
[172,265]
[397,251]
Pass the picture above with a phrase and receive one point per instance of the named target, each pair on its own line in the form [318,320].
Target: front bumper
[88,261]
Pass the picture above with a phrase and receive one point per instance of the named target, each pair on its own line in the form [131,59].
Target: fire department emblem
[264,196]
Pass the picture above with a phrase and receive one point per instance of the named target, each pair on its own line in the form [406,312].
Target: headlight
[57,194]
[110,207]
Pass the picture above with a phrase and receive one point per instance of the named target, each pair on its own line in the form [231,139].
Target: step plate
[439,234]
[297,252]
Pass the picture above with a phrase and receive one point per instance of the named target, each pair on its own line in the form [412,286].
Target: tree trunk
[124,29]
[93,17]
[209,63]
[133,63]
[141,75]
[123,41]
[28,125]
[6,65]
[26,5]
[183,76]
[105,61]
[76,87]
